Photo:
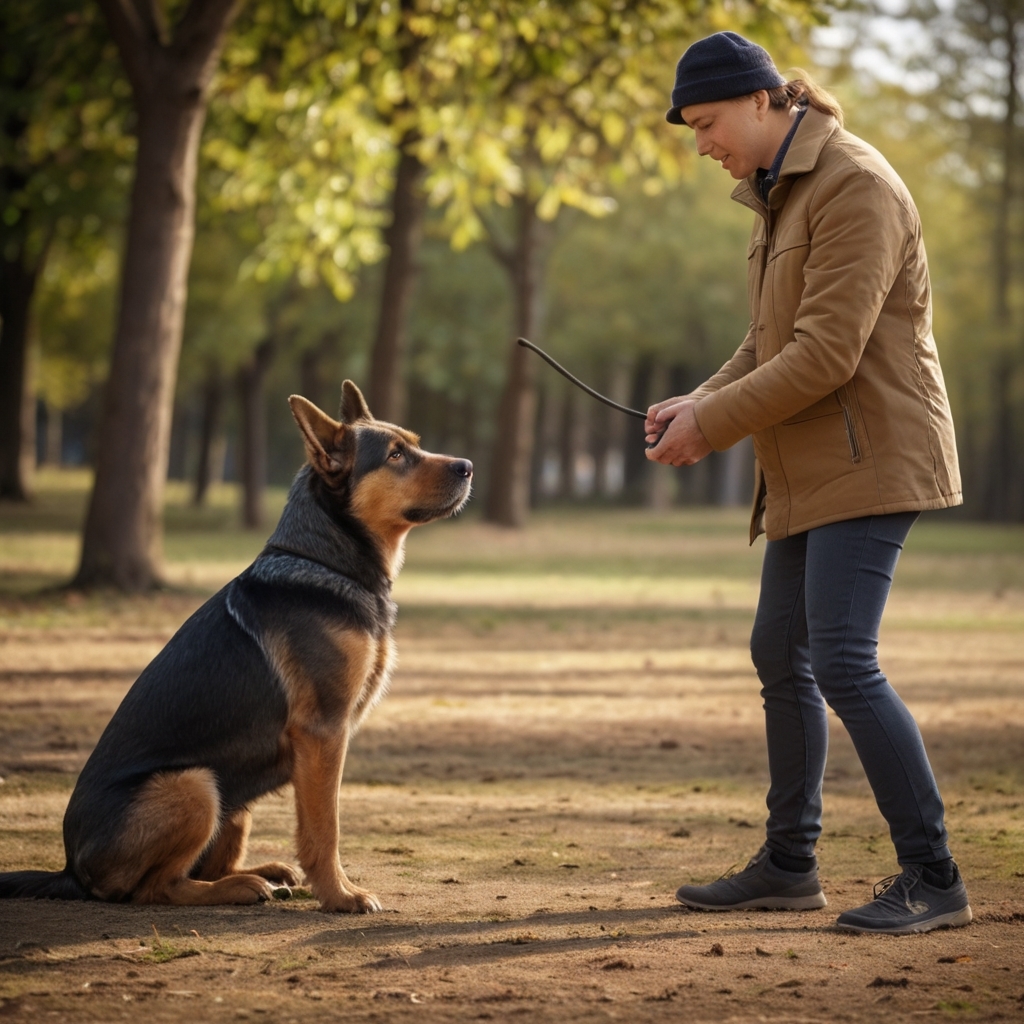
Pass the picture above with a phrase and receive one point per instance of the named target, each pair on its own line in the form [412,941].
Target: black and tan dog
[263,685]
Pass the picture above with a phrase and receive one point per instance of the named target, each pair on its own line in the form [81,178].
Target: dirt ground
[559,752]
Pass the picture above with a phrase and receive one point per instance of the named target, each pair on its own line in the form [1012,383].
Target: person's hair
[805,90]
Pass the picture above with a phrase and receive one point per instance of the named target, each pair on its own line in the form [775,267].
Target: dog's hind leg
[170,823]
[316,777]
[225,855]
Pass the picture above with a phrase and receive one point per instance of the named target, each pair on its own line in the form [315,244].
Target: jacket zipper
[851,433]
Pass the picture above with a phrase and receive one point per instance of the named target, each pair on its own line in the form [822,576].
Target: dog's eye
[396,455]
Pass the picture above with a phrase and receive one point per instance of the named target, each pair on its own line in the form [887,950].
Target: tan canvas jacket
[838,378]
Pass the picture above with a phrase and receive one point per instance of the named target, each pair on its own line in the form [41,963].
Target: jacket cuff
[715,423]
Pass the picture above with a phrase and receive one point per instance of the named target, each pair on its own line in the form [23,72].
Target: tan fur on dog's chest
[348,678]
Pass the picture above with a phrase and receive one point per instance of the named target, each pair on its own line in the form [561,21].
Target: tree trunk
[210,430]
[609,432]
[252,440]
[386,392]
[1002,455]
[53,448]
[17,403]
[636,466]
[311,377]
[542,409]
[567,434]
[122,541]
[508,495]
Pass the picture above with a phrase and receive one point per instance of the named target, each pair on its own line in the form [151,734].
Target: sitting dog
[265,684]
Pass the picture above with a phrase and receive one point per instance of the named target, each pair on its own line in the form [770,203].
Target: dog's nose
[463,468]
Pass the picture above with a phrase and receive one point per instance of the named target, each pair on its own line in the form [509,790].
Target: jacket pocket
[846,400]
[792,236]
[827,406]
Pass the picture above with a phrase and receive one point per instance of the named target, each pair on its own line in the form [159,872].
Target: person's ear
[762,104]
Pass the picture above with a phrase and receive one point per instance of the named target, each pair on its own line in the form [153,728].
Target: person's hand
[682,443]
[655,422]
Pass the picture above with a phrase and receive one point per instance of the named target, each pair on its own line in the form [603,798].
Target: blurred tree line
[394,191]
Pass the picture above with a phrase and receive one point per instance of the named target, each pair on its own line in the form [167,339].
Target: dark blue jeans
[815,639]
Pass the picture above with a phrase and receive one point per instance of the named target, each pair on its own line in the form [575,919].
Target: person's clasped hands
[673,425]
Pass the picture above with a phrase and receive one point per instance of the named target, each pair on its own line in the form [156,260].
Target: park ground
[573,732]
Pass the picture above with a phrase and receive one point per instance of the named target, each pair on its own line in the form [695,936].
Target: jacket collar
[814,131]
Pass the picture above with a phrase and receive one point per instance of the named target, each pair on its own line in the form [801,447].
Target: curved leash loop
[589,390]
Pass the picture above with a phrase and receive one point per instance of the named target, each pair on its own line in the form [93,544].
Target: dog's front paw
[279,872]
[360,902]
[247,888]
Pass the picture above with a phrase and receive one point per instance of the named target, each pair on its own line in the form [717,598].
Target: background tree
[61,145]
[170,71]
[570,105]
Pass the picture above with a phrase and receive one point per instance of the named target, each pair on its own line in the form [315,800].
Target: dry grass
[573,732]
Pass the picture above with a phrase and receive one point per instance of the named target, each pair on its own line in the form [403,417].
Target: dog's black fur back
[318,560]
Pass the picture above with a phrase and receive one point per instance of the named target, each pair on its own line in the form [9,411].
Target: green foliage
[64,166]
[62,104]
[665,276]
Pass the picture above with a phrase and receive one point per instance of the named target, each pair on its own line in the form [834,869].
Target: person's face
[731,131]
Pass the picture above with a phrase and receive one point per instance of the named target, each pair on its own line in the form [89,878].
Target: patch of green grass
[955,1006]
[163,951]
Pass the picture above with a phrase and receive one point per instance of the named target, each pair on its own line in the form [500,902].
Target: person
[838,381]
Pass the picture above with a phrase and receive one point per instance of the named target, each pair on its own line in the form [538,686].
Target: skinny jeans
[815,641]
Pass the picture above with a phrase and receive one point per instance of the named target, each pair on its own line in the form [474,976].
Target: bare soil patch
[553,761]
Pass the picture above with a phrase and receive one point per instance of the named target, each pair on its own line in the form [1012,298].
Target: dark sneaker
[759,885]
[906,903]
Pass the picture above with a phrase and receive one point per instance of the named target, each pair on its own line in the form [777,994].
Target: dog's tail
[49,885]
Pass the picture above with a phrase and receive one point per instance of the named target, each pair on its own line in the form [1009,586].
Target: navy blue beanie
[721,67]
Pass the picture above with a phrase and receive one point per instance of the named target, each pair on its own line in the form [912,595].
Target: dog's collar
[291,552]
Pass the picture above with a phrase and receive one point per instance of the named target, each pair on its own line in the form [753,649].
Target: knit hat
[718,68]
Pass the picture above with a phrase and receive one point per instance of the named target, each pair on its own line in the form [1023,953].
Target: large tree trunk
[209,433]
[17,403]
[252,439]
[122,542]
[386,393]
[508,494]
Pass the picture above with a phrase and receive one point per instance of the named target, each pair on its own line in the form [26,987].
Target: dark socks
[940,874]
[790,863]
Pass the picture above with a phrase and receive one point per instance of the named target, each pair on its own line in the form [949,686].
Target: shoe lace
[885,885]
[729,872]
[734,869]
[895,883]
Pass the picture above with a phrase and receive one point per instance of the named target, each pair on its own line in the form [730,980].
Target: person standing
[838,381]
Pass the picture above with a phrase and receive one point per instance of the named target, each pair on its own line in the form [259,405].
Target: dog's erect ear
[353,405]
[321,435]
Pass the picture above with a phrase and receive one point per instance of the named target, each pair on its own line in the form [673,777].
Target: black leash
[580,384]
[590,391]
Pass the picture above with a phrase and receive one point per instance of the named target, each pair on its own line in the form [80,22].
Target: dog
[264,685]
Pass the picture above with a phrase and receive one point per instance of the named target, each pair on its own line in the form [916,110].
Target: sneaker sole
[815,902]
[954,919]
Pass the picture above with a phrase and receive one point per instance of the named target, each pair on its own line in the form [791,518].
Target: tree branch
[198,38]
[134,35]
[501,250]
[151,16]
